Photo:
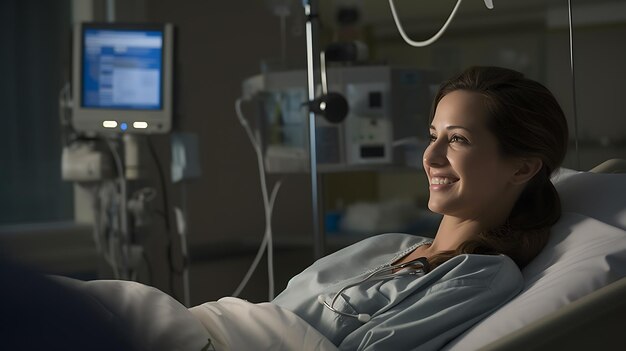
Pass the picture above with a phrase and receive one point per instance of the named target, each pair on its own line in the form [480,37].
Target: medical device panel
[386,104]
[122,78]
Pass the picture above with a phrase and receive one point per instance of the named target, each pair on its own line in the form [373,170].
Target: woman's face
[468,177]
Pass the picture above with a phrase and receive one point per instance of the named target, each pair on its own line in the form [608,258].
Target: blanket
[159,322]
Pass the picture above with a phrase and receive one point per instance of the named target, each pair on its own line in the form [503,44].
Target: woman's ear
[526,169]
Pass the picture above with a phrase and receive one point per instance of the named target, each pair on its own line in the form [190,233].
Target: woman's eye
[458,138]
[432,137]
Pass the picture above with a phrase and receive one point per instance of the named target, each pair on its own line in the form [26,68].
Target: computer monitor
[122,78]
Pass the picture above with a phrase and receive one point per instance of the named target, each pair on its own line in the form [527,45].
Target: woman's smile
[442,182]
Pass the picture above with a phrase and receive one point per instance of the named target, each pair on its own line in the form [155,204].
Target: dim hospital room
[313,175]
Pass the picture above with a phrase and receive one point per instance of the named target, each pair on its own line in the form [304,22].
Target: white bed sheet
[158,322]
[237,324]
[155,320]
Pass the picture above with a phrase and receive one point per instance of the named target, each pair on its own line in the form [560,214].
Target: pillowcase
[586,251]
[596,195]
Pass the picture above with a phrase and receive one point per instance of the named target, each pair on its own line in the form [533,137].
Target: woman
[495,139]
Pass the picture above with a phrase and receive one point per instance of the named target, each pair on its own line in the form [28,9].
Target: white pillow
[597,195]
[586,251]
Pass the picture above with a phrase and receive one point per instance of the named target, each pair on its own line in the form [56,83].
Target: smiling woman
[496,137]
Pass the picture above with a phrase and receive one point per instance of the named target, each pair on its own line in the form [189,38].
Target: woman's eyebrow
[452,127]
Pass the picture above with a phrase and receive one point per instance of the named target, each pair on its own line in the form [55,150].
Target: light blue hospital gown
[407,312]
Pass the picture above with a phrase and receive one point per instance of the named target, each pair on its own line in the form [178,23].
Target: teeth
[442,180]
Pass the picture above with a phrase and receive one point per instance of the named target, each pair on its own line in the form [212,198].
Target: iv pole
[318,237]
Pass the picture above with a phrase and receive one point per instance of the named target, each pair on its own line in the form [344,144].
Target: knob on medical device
[333,106]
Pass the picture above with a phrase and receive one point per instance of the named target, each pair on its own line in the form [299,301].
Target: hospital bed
[573,296]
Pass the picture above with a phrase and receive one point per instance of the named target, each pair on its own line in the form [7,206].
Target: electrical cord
[488,4]
[260,252]
[123,215]
[105,234]
[268,205]
[148,267]
[571,56]
[428,41]
[100,204]
[68,134]
[115,243]
[106,237]
[168,227]
[137,206]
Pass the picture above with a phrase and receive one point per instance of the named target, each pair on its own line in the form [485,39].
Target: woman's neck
[454,231]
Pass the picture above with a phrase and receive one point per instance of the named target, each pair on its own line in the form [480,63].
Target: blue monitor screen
[122,69]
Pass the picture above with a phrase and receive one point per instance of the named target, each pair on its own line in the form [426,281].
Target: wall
[599,58]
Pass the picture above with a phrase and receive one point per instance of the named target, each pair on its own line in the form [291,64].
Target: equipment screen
[122,69]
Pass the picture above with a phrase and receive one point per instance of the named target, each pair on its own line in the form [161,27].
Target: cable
[166,217]
[267,238]
[571,57]
[95,207]
[148,266]
[106,234]
[260,252]
[433,38]
[122,209]
[270,242]
[268,205]
[162,183]
[166,206]
[99,206]
[65,104]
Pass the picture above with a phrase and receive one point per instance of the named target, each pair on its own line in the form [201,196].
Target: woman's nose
[435,154]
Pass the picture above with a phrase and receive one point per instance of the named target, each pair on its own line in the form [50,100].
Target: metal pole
[318,238]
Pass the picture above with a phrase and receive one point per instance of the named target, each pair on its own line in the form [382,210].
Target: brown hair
[528,122]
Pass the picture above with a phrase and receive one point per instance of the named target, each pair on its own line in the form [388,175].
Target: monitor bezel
[91,119]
